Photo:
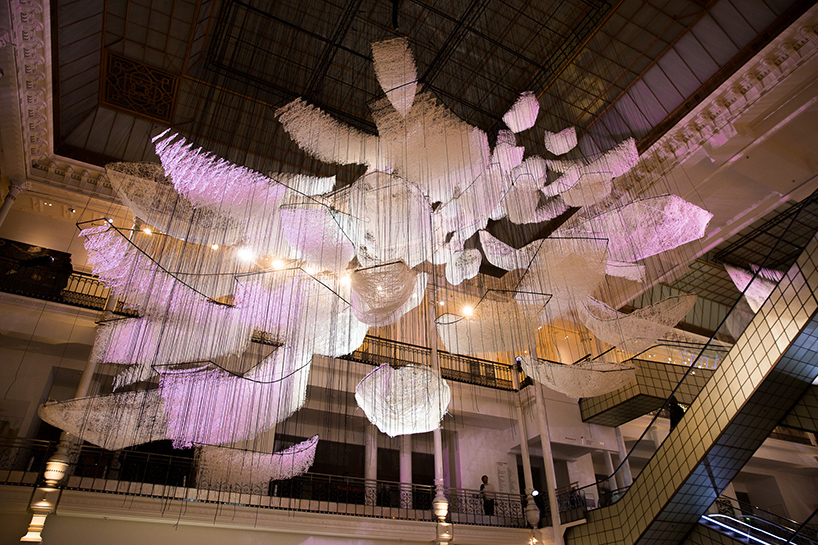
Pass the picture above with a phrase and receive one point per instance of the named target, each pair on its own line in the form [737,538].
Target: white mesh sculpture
[133,275]
[587,379]
[396,72]
[394,220]
[645,227]
[210,331]
[238,470]
[402,401]
[463,265]
[591,187]
[638,330]
[430,147]
[307,267]
[213,407]
[560,143]
[325,138]
[560,272]
[193,171]
[314,233]
[523,114]
[761,283]
[383,293]
[112,422]
[489,327]
[144,188]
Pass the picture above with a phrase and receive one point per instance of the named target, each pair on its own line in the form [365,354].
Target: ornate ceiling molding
[711,122]
[30,37]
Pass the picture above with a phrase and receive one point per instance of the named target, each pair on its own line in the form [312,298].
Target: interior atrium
[364,272]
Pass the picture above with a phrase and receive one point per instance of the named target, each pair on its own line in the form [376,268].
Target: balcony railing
[87,291]
[377,351]
[176,477]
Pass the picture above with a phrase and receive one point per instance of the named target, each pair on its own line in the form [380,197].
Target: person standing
[487,493]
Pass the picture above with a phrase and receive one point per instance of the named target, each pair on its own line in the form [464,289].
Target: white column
[57,465]
[406,471]
[440,505]
[548,458]
[16,187]
[609,470]
[532,513]
[371,464]
[624,478]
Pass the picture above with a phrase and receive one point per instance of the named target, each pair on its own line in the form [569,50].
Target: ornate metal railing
[170,477]
[377,351]
[87,291]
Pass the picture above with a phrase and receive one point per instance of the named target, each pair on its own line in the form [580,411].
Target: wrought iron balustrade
[170,477]
[377,351]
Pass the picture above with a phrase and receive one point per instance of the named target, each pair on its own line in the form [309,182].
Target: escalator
[765,374]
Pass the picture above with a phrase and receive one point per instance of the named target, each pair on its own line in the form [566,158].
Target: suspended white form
[489,327]
[587,379]
[208,331]
[645,227]
[638,330]
[237,470]
[759,288]
[430,147]
[463,265]
[112,422]
[144,188]
[325,138]
[523,114]
[396,72]
[193,171]
[560,143]
[409,399]
[382,294]
[393,220]
[591,187]
[560,272]
[313,231]
[210,406]
[132,275]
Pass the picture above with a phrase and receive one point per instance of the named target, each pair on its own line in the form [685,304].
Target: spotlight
[310,269]
[442,303]
[245,254]
[277,264]
[147,231]
[110,220]
[345,280]
[468,311]
[214,246]
[73,210]
[535,493]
